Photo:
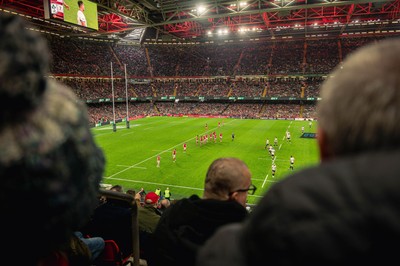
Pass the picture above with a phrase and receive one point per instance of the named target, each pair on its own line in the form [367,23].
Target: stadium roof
[207,20]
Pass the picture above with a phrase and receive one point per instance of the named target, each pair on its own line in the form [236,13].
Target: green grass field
[131,153]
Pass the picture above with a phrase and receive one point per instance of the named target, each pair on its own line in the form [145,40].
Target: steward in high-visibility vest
[167,194]
[158,192]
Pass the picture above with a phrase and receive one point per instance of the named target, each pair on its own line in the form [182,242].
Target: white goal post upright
[113,104]
[127,103]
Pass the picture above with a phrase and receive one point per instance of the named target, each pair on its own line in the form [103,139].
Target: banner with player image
[78,12]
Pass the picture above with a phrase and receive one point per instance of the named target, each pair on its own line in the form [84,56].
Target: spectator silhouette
[344,211]
[48,155]
[189,222]
[148,217]
[164,204]
[113,220]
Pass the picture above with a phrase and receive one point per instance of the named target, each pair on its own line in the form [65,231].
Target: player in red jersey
[158,160]
[184,147]
[174,155]
[220,137]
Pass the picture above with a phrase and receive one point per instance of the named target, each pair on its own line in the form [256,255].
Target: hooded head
[50,166]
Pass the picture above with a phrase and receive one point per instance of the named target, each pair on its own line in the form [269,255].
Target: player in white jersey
[270,149]
[275,141]
[267,144]
[288,136]
[81,19]
[273,168]
[291,162]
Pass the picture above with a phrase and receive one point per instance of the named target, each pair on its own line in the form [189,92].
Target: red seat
[112,255]
[55,259]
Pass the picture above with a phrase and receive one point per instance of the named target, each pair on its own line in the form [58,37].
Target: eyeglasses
[251,190]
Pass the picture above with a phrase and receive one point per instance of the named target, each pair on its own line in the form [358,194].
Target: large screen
[79,12]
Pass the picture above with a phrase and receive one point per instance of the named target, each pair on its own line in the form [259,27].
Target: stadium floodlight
[201,10]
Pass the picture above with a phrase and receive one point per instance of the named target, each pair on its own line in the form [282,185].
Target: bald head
[224,177]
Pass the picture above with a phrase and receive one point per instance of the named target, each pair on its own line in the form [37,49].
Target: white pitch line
[167,185]
[105,133]
[146,124]
[284,136]
[127,134]
[211,129]
[280,160]
[257,179]
[265,180]
[148,128]
[145,160]
[132,167]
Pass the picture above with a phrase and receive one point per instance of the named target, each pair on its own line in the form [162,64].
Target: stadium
[221,77]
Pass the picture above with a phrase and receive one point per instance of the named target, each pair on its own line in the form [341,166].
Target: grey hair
[360,102]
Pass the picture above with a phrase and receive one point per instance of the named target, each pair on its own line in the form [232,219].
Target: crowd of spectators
[322,61]
[89,58]
[49,150]
[90,89]
[291,68]
[103,112]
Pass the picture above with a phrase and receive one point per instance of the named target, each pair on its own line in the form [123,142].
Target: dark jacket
[344,212]
[112,220]
[187,224]
[148,217]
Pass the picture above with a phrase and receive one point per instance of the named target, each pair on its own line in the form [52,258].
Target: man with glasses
[186,225]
